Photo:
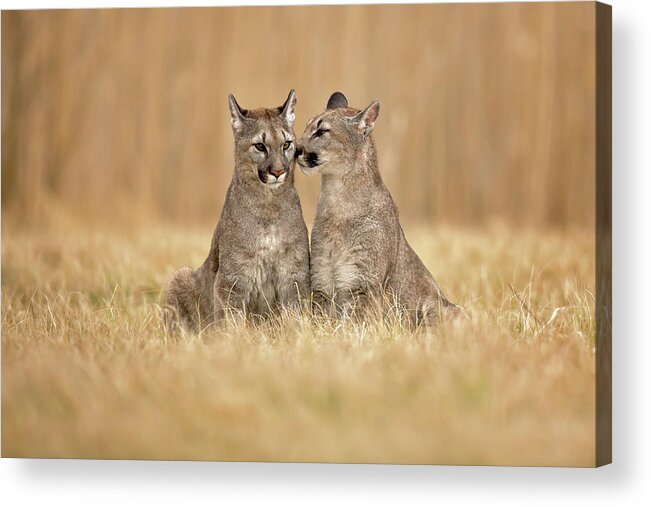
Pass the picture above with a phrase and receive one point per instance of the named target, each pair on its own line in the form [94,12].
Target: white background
[626,482]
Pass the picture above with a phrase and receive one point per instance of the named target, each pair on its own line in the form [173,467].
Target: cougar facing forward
[259,256]
[359,251]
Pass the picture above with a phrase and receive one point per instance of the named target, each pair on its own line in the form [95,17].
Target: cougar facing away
[259,256]
[359,252]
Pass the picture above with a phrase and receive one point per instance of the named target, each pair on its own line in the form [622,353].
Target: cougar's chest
[335,263]
[263,270]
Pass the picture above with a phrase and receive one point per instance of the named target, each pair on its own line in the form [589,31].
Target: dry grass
[88,371]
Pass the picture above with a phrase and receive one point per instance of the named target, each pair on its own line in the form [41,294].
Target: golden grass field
[89,371]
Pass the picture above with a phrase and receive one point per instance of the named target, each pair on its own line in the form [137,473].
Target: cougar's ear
[337,99]
[287,109]
[238,115]
[366,119]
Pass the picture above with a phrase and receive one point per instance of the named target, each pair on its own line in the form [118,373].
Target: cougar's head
[333,138]
[264,141]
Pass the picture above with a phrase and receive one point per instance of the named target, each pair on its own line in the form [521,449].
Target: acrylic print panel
[492,137]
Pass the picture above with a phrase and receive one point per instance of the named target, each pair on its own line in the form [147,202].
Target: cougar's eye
[260,147]
[320,132]
[287,145]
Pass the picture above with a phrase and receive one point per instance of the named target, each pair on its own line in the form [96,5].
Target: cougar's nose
[276,172]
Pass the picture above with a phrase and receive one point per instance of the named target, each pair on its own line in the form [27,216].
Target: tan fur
[259,257]
[360,255]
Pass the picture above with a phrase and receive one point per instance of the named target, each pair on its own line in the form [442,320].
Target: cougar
[259,255]
[359,251]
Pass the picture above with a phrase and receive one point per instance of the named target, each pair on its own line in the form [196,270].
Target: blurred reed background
[121,115]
